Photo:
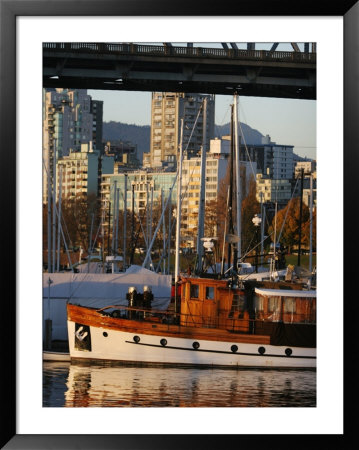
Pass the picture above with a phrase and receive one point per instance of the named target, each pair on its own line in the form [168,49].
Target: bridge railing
[188,52]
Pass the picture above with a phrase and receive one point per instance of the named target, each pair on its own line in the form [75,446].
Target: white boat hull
[121,346]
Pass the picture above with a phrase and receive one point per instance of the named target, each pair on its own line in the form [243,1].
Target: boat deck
[153,325]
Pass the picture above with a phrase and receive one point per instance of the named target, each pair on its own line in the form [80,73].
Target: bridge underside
[248,77]
[130,84]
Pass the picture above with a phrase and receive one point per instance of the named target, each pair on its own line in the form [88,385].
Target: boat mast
[300,215]
[54,208]
[89,252]
[179,206]
[125,222]
[263,214]
[311,224]
[59,220]
[163,230]
[224,235]
[132,225]
[230,202]
[114,218]
[202,195]
[238,177]
[48,213]
[169,234]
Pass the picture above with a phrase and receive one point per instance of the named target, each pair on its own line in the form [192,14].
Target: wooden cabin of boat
[284,311]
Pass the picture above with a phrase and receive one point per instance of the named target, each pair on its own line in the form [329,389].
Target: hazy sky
[287,121]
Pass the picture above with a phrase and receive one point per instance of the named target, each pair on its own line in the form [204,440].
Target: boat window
[194,291]
[210,292]
[258,303]
[239,302]
[274,304]
[290,305]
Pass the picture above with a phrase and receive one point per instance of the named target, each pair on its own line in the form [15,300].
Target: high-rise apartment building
[217,161]
[273,190]
[97,124]
[70,119]
[166,113]
[274,161]
[79,172]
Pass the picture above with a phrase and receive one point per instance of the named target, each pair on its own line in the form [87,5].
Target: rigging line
[259,243]
[146,240]
[62,219]
[225,115]
[194,167]
[245,145]
[168,241]
[97,233]
[248,250]
[194,126]
[244,139]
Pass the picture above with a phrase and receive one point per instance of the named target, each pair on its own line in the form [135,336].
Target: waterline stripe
[220,351]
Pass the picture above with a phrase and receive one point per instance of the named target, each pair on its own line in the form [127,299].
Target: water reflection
[103,386]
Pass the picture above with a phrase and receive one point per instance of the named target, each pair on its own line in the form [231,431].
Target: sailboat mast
[179,205]
[230,199]
[238,176]
[202,195]
[54,209]
[59,220]
[163,230]
[125,222]
[311,224]
[48,213]
[169,234]
[300,216]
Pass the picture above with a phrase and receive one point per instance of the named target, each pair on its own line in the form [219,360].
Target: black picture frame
[9,10]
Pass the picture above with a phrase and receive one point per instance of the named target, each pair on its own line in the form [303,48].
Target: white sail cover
[94,289]
[98,290]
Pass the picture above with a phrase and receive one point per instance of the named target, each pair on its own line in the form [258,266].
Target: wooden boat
[220,320]
[256,324]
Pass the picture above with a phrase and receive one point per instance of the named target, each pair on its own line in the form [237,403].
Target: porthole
[288,351]
[136,339]
[195,345]
[234,348]
[105,334]
[163,342]
[261,350]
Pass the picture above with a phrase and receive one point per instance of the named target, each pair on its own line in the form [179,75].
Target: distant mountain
[140,135]
[136,134]
[251,136]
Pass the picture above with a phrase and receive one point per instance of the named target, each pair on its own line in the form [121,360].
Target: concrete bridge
[169,68]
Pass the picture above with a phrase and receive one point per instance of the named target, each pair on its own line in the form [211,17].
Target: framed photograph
[24,27]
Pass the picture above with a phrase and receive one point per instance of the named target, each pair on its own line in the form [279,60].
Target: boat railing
[231,322]
[137,309]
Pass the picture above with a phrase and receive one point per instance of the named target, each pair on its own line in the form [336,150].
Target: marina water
[71,385]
